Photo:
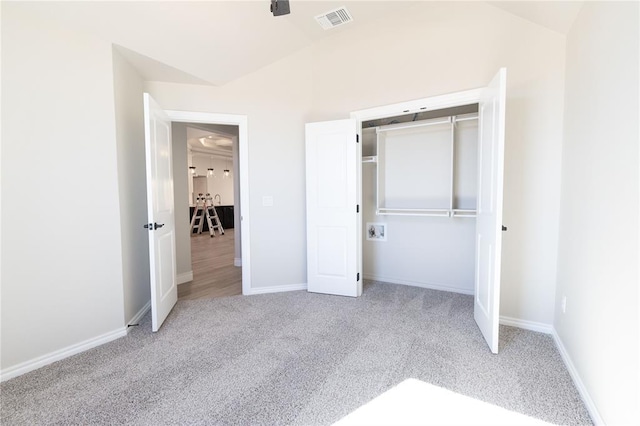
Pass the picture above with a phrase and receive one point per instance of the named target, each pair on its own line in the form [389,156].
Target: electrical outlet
[564,304]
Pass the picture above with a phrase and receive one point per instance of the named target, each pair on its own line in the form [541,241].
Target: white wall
[598,256]
[434,48]
[132,186]
[181,198]
[62,276]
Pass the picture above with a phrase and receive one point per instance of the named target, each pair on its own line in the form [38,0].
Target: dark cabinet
[225,213]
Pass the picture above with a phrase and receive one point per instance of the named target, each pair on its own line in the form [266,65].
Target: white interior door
[161,215]
[486,307]
[333,211]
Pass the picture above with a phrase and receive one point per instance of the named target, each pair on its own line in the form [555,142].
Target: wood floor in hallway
[213,272]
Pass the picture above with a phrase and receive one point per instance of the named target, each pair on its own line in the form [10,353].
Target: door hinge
[358,276]
[504,228]
[148,226]
[357,138]
[357,208]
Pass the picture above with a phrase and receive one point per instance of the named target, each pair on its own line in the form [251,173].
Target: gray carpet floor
[294,359]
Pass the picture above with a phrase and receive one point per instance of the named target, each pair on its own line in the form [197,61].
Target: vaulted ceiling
[214,42]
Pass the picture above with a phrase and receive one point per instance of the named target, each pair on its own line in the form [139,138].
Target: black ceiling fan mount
[280,7]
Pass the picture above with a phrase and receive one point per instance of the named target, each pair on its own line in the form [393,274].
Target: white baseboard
[431,286]
[185,277]
[41,361]
[138,316]
[527,325]
[237,261]
[277,289]
[577,380]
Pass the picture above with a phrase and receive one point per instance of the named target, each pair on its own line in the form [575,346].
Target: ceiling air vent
[334,18]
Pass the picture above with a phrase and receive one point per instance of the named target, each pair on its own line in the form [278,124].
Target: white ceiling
[214,42]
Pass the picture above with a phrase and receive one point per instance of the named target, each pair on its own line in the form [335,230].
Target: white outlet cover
[267,201]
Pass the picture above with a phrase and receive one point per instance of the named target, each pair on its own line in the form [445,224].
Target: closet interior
[419,196]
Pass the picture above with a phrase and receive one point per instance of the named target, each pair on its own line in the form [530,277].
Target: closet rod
[417,212]
[442,213]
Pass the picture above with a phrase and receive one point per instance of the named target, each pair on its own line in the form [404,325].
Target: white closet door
[161,214]
[486,307]
[333,235]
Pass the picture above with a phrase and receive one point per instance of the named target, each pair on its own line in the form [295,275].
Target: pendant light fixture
[227,172]
[211,171]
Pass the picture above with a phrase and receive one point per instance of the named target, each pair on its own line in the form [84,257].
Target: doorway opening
[210,157]
[208,259]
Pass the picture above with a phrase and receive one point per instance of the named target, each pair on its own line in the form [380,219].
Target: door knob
[153,226]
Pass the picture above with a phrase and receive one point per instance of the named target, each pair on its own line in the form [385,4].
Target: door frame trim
[419,105]
[243,159]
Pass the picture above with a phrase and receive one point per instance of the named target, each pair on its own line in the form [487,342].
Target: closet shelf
[383,211]
[370,159]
